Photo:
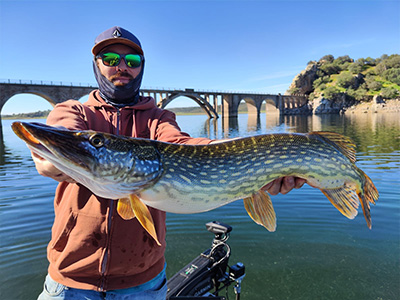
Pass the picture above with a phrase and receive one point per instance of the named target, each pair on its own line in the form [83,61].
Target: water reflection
[380,130]
[2,151]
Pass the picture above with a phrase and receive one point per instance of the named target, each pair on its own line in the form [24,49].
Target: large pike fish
[196,178]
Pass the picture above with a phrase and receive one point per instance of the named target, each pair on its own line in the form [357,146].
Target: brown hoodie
[92,247]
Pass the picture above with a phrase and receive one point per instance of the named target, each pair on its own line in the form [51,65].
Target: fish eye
[96,140]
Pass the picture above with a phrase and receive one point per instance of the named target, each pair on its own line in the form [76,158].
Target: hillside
[353,80]
[41,114]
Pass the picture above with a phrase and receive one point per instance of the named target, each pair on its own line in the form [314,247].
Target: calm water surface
[316,253]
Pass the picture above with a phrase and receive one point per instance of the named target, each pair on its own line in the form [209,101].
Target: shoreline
[388,106]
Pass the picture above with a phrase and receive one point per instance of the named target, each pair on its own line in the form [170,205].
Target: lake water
[315,253]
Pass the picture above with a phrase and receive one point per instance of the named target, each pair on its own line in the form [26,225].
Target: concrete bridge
[214,103]
[210,101]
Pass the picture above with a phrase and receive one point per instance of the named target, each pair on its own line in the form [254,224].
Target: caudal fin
[368,194]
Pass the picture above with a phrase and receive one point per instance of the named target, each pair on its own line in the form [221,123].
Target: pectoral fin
[124,209]
[143,215]
[345,199]
[260,209]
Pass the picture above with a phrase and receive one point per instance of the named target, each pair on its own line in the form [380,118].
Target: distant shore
[389,106]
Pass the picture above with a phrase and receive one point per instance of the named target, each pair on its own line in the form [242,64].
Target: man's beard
[120,74]
[120,94]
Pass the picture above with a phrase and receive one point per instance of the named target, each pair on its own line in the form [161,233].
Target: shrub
[327,58]
[345,80]
[330,92]
[356,67]
[392,75]
[390,93]
[374,85]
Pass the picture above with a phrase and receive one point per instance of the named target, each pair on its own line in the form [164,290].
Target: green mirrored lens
[133,60]
[111,59]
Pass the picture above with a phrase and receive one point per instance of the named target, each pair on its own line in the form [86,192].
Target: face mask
[118,95]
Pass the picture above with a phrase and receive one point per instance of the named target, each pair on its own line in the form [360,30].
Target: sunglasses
[111,59]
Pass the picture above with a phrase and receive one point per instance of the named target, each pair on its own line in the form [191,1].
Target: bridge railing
[45,82]
[144,89]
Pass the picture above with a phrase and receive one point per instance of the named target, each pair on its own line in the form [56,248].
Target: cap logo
[116,33]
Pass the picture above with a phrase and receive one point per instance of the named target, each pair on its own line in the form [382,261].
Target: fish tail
[347,198]
[367,194]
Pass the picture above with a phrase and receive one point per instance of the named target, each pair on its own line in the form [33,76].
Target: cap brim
[97,48]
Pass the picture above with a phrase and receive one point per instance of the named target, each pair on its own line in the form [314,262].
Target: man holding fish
[95,253]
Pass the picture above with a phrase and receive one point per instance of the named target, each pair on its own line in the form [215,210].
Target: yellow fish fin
[345,199]
[144,217]
[124,209]
[260,209]
[343,143]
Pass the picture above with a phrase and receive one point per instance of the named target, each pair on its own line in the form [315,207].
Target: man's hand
[284,185]
[47,169]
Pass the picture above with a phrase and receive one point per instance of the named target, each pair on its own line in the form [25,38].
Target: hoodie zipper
[109,223]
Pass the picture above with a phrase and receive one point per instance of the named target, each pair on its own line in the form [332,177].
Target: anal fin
[260,209]
[345,199]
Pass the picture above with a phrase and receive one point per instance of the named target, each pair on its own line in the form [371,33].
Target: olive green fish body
[195,178]
[199,178]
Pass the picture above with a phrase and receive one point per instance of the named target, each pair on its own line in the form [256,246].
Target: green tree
[374,85]
[345,80]
[370,61]
[343,59]
[356,67]
[371,83]
[343,62]
[393,61]
[390,93]
[330,69]
[327,58]
[330,92]
[392,75]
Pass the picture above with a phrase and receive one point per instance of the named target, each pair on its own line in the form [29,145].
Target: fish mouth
[26,133]
[49,142]
[23,133]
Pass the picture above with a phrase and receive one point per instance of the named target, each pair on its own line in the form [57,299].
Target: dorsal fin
[343,143]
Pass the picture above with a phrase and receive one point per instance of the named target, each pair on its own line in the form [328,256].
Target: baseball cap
[116,35]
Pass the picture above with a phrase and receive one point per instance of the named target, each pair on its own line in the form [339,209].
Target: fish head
[110,166]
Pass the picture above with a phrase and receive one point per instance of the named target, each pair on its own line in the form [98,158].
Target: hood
[143,103]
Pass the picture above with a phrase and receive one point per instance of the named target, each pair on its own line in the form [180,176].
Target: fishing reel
[209,273]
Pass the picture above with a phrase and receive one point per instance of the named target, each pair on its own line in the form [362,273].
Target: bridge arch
[27,102]
[52,93]
[271,105]
[7,96]
[203,102]
[253,107]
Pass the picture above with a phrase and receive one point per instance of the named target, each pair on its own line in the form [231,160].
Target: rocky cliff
[334,85]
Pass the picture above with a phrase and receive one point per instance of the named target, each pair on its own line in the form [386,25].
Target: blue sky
[213,45]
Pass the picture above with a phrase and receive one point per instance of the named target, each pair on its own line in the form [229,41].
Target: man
[94,253]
